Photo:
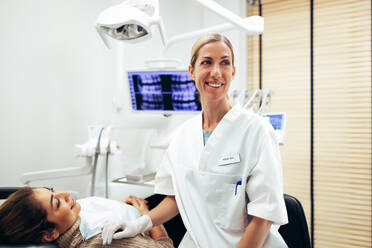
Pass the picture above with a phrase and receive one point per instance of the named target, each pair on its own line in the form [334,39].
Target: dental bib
[95,211]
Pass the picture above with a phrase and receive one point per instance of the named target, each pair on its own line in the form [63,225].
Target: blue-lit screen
[276,120]
[163,91]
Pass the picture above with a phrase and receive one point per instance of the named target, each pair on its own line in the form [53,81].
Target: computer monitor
[163,91]
[278,121]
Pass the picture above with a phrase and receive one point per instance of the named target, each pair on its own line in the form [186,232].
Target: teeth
[214,85]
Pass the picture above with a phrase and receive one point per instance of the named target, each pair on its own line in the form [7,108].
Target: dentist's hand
[129,228]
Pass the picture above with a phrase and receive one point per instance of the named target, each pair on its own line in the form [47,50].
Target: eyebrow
[223,57]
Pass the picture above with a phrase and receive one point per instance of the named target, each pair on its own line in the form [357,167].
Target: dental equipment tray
[140,176]
[143,181]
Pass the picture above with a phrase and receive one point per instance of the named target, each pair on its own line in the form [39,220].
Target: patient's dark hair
[22,219]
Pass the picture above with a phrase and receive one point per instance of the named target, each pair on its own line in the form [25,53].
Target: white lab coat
[214,206]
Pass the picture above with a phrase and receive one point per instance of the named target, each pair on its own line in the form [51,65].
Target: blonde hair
[206,39]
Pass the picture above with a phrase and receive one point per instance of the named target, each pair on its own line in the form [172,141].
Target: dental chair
[295,233]
[4,193]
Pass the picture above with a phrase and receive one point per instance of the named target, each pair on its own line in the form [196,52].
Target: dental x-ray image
[163,91]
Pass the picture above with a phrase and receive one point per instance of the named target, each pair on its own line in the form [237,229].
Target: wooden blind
[342,122]
[286,70]
[253,54]
[342,109]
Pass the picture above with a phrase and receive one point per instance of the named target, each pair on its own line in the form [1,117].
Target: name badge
[229,159]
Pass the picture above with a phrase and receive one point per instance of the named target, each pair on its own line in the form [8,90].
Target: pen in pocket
[239,182]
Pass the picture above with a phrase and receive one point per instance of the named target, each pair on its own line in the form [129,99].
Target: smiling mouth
[214,85]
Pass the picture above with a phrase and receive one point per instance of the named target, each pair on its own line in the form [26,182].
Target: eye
[226,62]
[58,203]
[205,62]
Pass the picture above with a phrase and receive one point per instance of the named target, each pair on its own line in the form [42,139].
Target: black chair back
[295,233]
[5,192]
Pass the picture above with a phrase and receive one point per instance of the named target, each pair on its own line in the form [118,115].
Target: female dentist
[222,170]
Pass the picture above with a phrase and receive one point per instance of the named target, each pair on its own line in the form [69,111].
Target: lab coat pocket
[230,213]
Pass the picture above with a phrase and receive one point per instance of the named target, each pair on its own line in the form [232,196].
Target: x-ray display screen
[163,91]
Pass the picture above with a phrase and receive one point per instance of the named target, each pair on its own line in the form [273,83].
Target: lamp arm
[254,21]
[197,33]
[162,32]
[230,16]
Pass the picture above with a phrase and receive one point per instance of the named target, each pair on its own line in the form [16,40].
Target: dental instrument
[91,150]
[244,96]
[266,101]
[96,154]
[234,96]
[254,101]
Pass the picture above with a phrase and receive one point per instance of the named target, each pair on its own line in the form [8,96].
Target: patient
[43,215]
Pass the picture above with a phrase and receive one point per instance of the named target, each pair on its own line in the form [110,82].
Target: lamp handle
[103,37]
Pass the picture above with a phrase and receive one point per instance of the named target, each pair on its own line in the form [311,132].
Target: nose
[216,71]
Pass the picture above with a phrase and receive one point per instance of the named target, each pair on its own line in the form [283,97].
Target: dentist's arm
[165,211]
[255,234]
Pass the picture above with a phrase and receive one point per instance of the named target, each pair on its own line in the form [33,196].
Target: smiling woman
[213,71]
[212,68]
[43,215]
[62,210]
[223,166]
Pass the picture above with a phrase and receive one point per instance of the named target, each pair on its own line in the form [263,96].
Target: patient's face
[61,209]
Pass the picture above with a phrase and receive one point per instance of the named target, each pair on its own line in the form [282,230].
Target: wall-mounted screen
[278,121]
[163,91]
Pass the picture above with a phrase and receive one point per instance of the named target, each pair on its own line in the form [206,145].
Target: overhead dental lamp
[132,21]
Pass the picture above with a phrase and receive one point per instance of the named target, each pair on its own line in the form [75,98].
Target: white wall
[56,78]
[52,82]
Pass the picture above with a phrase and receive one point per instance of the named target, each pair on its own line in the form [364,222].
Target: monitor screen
[278,121]
[163,91]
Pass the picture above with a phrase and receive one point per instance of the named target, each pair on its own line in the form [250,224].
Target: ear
[50,236]
[233,72]
[191,72]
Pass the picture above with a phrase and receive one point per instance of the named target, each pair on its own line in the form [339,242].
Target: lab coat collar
[231,115]
[223,127]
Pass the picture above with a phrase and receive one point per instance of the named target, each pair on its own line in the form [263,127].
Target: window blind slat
[342,81]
